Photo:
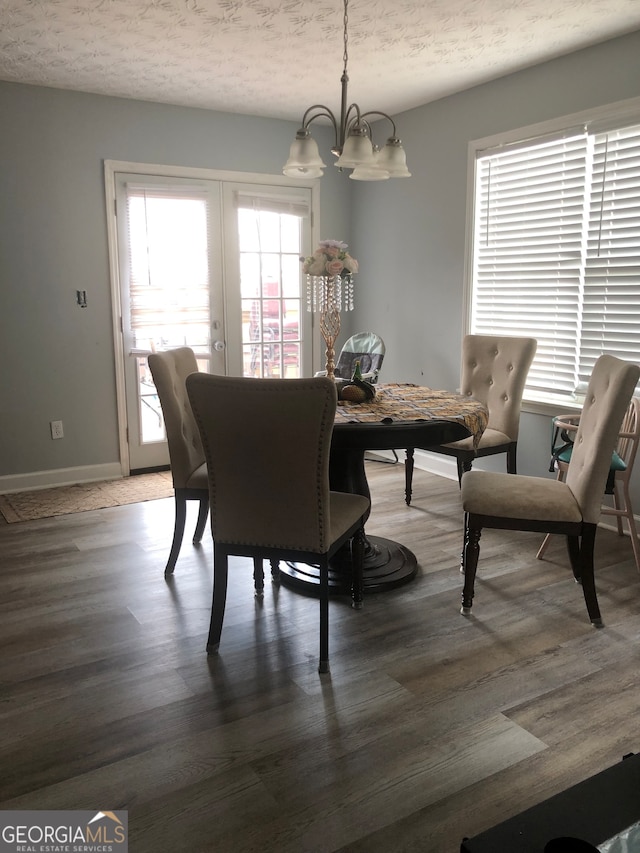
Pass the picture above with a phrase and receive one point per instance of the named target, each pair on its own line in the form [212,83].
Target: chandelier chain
[345,55]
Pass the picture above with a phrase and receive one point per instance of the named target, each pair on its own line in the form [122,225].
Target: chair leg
[573,549]
[512,453]
[275,571]
[220,572]
[543,547]
[619,511]
[258,577]
[324,615]
[632,523]
[357,561]
[203,513]
[587,544]
[464,465]
[178,533]
[547,538]
[408,475]
[470,554]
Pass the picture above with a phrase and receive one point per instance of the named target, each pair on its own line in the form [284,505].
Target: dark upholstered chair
[620,472]
[570,507]
[169,371]
[266,444]
[494,371]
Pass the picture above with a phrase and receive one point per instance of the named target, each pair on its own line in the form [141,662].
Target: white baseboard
[59,477]
[434,463]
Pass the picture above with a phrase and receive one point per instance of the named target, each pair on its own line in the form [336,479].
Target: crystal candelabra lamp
[330,289]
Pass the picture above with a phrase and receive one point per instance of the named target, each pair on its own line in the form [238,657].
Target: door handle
[219,346]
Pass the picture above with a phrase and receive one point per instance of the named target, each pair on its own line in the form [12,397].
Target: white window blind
[611,312]
[557,252]
[168,266]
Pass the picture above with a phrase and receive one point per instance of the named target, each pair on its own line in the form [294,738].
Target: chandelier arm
[384,115]
[322,112]
[352,118]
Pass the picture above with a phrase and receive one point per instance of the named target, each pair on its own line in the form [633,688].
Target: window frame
[596,120]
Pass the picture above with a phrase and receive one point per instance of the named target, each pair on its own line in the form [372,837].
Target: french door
[213,265]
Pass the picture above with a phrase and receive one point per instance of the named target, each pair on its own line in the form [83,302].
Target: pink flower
[314,265]
[330,258]
[334,267]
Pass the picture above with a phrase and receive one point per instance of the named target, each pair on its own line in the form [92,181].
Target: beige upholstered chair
[494,371]
[570,507]
[169,371]
[621,468]
[266,444]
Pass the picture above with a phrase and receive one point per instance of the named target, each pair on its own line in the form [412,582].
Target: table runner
[408,403]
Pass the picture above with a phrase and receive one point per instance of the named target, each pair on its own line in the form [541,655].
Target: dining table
[400,415]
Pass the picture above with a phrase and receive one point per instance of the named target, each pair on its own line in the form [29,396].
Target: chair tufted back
[267,445]
[170,370]
[610,389]
[494,371]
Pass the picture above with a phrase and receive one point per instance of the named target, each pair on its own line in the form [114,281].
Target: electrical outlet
[56,429]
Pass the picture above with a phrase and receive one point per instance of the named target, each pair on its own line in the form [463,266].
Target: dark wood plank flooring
[430,726]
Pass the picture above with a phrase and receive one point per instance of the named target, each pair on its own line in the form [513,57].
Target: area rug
[62,500]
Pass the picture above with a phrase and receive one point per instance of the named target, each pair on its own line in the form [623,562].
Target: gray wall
[407,234]
[58,358]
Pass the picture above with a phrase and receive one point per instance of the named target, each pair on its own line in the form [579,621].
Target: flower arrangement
[330,258]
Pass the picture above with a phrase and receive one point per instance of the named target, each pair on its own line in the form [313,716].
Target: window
[556,251]
[270,230]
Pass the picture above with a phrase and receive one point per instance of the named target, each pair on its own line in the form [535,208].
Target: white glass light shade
[357,151]
[304,158]
[369,173]
[393,159]
[302,171]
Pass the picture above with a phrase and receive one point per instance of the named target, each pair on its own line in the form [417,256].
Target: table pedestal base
[387,564]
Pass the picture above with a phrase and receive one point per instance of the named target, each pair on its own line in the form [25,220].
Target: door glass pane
[270,248]
[150,413]
[168,286]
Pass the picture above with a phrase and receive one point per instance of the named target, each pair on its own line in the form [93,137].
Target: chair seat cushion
[517,496]
[345,510]
[199,478]
[490,438]
[617,464]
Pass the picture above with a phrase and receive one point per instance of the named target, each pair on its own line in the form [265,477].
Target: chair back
[169,371]
[629,435]
[365,347]
[266,444]
[494,371]
[607,397]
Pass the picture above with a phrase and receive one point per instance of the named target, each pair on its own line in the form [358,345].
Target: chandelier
[354,146]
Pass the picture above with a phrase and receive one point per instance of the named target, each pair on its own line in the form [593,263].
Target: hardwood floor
[430,727]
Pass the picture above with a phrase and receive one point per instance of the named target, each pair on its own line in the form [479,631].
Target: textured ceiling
[276,57]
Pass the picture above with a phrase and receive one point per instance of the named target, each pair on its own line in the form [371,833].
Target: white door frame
[111,167]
